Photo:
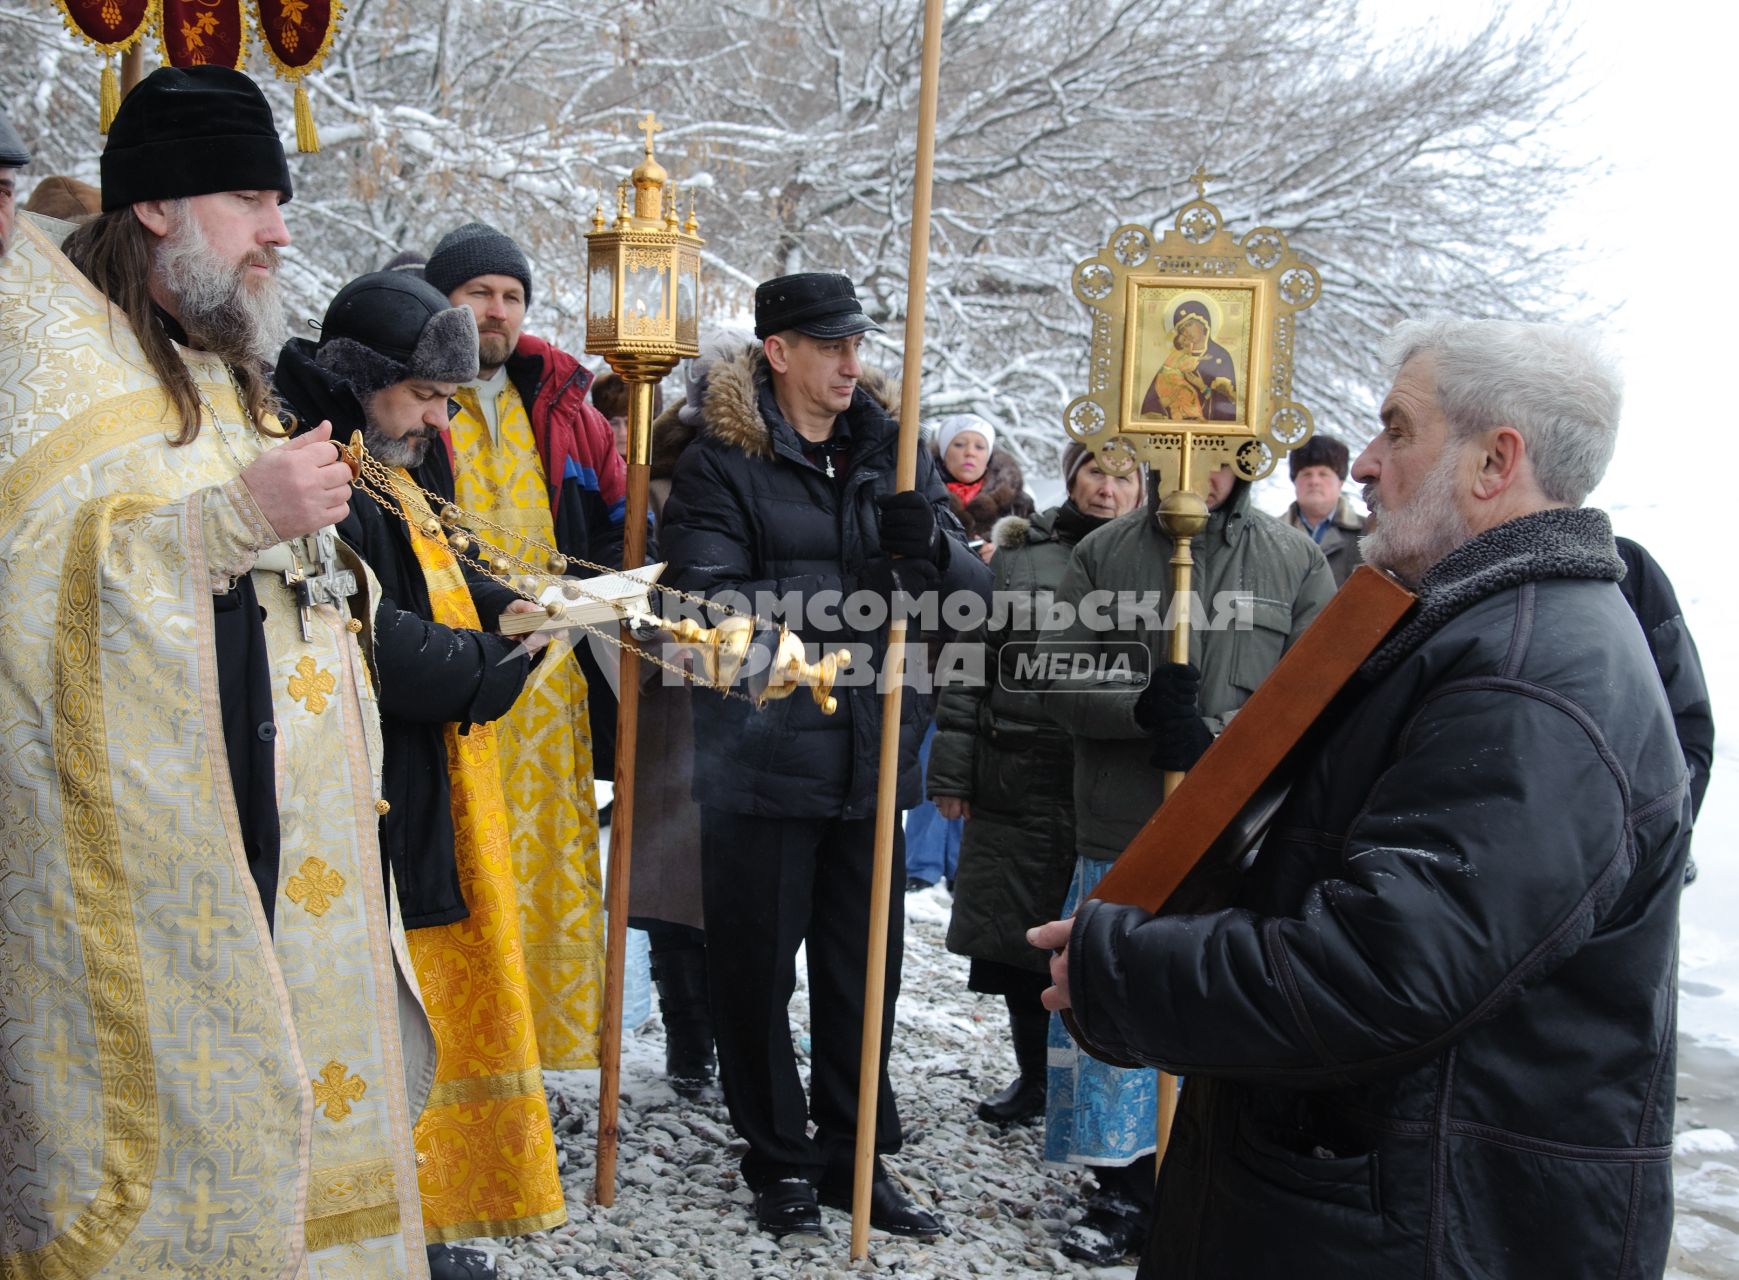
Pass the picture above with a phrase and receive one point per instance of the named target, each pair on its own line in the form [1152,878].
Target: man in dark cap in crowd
[1319,468]
[13,157]
[391,353]
[527,452]
[788,487]
[218,1059]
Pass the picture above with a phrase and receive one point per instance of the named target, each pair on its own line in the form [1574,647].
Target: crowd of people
[301,853]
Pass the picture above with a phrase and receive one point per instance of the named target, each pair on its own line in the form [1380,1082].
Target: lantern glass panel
[687,301]
[601,292]
[644,309]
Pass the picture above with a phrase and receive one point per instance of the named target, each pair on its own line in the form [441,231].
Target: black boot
[688,1026]
[1024,1099]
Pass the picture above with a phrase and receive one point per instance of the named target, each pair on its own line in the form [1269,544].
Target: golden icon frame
[1197,256]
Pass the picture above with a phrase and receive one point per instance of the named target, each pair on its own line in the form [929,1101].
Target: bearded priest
[212,1055]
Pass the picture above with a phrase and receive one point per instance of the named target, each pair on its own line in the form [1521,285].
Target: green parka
[996,748]
[1259,584]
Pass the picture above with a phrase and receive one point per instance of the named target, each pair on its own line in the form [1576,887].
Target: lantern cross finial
[650,126]
[1200,178]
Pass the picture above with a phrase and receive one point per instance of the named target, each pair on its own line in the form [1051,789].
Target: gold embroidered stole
[485,1149]
[546,760]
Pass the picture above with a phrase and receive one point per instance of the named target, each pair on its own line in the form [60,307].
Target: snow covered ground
[682,1212]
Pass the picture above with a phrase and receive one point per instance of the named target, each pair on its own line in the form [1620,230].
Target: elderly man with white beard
[1434,1034]
[212,1059]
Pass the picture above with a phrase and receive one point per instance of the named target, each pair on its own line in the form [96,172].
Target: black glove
[909,526]
[888,577]
[1169,709]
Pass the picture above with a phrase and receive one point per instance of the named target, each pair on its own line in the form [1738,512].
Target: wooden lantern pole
[905,475]
[641,376]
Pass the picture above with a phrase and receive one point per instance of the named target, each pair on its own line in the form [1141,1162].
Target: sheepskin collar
[1562,542]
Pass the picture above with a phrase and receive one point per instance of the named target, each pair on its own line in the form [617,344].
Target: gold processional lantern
[642,316]
[643,280]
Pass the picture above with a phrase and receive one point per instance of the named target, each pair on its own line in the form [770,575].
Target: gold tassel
[108,97]
[307,139]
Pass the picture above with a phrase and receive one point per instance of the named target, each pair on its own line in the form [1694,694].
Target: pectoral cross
[829,466]
[331,584]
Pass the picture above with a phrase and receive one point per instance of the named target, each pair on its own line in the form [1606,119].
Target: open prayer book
[610,597]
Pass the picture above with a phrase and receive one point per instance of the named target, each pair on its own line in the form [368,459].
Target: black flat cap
[817,303]
[192,131]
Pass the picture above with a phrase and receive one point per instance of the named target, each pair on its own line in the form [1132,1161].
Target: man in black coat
[391,353]
[788,490]
[1434,1034]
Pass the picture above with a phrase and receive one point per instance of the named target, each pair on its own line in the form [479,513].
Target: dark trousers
[769,885]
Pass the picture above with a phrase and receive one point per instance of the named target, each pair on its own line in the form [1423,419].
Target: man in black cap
[13,157]
[201,899]
[527,451]
[1319,468]
[391,353]
[787,487]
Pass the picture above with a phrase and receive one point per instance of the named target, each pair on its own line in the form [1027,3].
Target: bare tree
[1415,178]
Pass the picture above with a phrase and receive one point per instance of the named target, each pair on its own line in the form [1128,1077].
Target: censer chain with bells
[722,650]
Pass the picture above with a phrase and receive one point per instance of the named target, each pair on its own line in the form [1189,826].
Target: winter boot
[688,1026]
[1024,1099]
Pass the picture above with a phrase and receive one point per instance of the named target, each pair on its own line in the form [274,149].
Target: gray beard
[221,310]
[1407,542]
[407,451]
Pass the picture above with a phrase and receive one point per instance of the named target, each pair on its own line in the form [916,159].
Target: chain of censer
[386,487]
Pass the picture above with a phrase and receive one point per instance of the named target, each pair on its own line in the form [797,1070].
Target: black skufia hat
[192,131]
[817,303]
[13,153]
[388,326]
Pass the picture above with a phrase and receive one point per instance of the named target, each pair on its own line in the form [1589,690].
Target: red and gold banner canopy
[203,33]
[297,35]
[113,26]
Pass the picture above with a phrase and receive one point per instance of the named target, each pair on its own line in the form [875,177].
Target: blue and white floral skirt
[1095,1114]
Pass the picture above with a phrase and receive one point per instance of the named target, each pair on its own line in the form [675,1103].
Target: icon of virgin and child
[1196,381]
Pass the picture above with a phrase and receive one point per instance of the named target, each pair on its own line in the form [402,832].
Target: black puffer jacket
[1435,1037]
[749,513]
[429,675]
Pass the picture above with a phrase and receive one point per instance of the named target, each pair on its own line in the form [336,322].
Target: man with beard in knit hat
[528,453]
[213,1059]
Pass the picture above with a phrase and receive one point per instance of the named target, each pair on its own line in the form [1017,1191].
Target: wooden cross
[649,126]
[1201,177]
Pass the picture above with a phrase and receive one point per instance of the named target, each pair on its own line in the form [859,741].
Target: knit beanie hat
[1075,456]
[1319,451]
[387,326]
[192,131]
[952,425]
[476,249]
[13,153]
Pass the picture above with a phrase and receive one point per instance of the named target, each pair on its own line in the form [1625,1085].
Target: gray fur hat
[387,326]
